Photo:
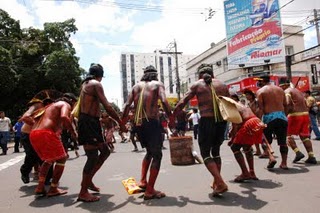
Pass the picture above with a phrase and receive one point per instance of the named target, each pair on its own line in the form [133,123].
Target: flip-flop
[57,193]
[218,193]
[156,195]
[271,164]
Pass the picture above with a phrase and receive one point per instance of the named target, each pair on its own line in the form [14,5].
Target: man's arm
[66,119]
[126,107]
[260,105]
[190,94]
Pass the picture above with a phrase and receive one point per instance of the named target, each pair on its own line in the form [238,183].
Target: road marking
[11,162]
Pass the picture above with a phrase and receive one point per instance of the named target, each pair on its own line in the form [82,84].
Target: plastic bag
[131,186]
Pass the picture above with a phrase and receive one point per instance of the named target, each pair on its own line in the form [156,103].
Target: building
[132,64]
[242,77]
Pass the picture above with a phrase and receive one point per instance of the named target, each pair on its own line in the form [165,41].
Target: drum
[181,150]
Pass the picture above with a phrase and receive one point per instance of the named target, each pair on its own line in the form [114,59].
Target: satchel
[228,110]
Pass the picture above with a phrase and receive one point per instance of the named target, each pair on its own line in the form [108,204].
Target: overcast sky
[107,27]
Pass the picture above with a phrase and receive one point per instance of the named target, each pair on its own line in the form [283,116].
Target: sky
[108,27]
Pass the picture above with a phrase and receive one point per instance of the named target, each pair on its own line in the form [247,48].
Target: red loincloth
[47,145]
[250,132]
[298,124]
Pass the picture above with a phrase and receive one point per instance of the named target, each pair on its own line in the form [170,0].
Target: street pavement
[187,187]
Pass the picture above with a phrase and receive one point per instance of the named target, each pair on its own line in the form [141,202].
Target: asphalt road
[187,187]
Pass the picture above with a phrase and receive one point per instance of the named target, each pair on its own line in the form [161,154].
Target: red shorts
[250,132]
[47,145]
[298,124]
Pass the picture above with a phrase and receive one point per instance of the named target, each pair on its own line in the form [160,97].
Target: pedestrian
[145,96]
[254,106]
[272,104]
[313,111]
[17,135]
[108,127]
[47,144]
[211,124]
[195,117]
[31,159]
[243,136]
[89,129]
[298,122]
[5,127]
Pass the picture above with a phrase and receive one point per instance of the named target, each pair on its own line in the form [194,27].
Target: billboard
[254,33]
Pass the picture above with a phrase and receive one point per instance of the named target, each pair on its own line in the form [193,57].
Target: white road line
[11,162]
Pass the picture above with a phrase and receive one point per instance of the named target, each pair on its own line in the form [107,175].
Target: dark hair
[195,110]
[96,70]
[247,91]
[150,76]
[69,98]
[307,92]
[150,68]
[235,97]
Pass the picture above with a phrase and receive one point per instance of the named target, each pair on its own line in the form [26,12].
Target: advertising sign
[254,34]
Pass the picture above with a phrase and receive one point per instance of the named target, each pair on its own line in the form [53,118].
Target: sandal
[271,164]
[56,192]
[156,195]
[219,190]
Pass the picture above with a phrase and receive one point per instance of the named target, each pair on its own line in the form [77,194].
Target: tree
[32,60]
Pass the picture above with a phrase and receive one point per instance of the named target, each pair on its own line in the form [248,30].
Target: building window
[225,64]
[290,51]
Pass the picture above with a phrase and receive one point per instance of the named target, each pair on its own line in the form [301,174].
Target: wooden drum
[181,150]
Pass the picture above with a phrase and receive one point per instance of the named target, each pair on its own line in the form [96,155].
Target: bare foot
[54,191]
[40,191]
[220,189]
[253,176]
[87,197]
[94,188]
[154,195]
[241,178]
[283,166]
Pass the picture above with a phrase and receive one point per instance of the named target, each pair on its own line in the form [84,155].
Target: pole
[288,67]
[316,24]
[177,69]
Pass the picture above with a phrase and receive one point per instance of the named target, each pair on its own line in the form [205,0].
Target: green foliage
[33,59]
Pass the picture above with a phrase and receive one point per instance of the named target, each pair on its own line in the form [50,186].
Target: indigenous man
[145,96]
[243,136]
[298,122]
[32,159]
[89,129]
[47,144]
[272,103]
[211,125]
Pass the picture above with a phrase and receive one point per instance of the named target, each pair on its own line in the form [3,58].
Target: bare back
[90,103]
[295,100]
[54,116]
[204,95]
[271,98]
[26,128]
[152,92]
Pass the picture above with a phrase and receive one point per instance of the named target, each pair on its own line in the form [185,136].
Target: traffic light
[314,74]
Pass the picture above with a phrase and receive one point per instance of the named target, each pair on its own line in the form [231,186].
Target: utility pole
[315,21]
[177,69]
[178,90]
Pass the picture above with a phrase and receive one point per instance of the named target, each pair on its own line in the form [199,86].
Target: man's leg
[249,156]
[294,147]
[42,177]
[16,144]
[144,170]
[245,175]
[57,173]
[308,146]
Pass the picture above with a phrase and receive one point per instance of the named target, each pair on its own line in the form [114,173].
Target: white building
[217,56]
[132,64]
